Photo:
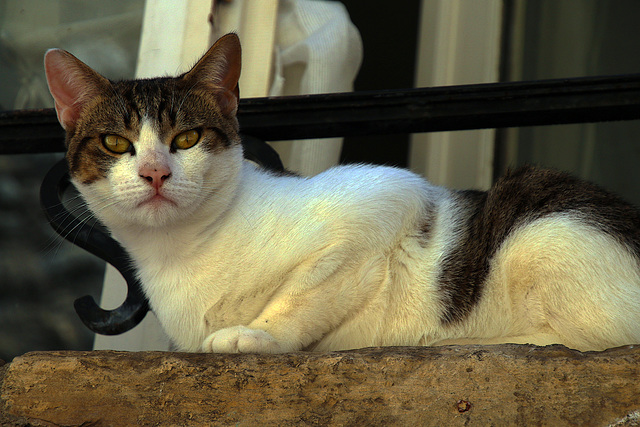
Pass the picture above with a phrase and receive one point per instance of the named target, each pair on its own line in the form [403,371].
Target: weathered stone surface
[495,385]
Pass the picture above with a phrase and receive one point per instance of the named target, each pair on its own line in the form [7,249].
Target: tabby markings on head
[167,104]
[91,107]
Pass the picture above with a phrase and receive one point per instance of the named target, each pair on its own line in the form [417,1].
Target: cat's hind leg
[577,282]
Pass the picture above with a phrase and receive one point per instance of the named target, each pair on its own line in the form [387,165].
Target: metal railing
[493,105]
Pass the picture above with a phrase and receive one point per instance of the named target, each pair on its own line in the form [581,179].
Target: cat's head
[155,151]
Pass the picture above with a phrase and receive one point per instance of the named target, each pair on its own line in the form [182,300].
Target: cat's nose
[155,176]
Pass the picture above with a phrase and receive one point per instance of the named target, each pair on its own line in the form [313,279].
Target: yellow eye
[116,144]
[186,139]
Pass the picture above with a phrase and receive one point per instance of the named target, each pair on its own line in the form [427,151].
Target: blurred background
[295,47]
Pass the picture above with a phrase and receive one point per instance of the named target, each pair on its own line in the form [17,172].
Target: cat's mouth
[156,201]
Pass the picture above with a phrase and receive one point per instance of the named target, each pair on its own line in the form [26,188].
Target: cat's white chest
[175,300]
[195,294]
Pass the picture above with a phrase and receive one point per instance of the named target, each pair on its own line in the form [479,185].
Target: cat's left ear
[72,84]
[220,68]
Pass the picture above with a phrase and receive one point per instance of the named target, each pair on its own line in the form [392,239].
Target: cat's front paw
[240,339]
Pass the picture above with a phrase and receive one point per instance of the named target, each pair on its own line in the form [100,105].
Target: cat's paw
[240,339]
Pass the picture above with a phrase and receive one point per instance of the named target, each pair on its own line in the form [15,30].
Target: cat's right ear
[219,68]
[72,83]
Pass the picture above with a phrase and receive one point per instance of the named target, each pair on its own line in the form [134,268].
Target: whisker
[85,216]
[57,240]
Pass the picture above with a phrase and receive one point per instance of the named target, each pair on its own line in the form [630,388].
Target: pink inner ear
[68,84]
[230,69]
[236,91]
[228,101]
[67,115]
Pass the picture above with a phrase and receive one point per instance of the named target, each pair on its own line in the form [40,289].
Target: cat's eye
[186,139]
[116,144]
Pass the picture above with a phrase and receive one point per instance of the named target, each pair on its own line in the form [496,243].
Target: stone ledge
[493,385]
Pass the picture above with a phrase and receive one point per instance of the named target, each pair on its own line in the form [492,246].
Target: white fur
[243,261]
[558,280]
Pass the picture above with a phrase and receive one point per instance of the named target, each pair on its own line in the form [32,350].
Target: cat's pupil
[116,144]
[186,139]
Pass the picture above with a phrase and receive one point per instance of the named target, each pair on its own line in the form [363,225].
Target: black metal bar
[30,131]
[495,105]
[92,238]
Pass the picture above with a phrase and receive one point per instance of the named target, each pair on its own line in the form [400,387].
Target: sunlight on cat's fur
[237,259]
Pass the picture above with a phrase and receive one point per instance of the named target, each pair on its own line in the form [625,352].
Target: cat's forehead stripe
[146,98]
[148,134]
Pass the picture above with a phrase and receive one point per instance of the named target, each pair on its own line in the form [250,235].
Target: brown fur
[517,198]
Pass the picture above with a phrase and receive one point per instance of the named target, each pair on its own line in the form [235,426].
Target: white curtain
[295,47]
[318,50]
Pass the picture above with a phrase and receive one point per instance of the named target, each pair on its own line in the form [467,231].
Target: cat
[234,258]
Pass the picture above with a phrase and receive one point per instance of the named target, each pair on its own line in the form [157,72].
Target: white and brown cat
[237,259]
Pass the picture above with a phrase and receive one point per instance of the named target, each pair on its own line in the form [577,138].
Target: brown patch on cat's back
[465,267]
[519,198]
[426,224]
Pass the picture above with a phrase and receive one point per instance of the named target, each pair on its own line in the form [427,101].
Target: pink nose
[155,176]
